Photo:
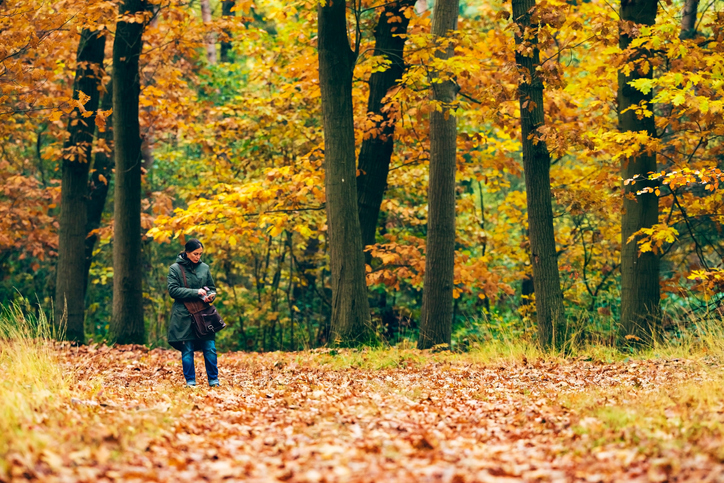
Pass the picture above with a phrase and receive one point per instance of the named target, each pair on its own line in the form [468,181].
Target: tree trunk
[226,7]
[350,308]
[99,182]
[688,19]
[127,326]
[376,151]
[210,38]
[437,297]
[550,315]
[640,291]
[70,284]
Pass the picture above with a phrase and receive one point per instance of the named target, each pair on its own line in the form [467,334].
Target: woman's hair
[193,245]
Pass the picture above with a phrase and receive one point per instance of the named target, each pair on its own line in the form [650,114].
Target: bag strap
[193,306]
[183,274]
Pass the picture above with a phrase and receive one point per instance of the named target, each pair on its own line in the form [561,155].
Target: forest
[369,172]
[452,241]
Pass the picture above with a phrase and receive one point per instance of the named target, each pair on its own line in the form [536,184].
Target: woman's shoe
[190,383]
[213,383]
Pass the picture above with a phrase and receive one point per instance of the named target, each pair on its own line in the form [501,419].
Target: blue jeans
[187,360]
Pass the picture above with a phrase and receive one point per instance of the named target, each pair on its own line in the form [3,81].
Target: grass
[31,379]
[405,356]
[695,338]
[672,418]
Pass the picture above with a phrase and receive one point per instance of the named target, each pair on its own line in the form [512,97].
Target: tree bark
[640,290]
[350,308]
[210,38]
[376,151]
[70,282]
[550,314]
[98,188]
[226,7]
[688,19]
[127,326]
[437,298]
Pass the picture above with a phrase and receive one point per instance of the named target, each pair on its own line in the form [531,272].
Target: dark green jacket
[197,276]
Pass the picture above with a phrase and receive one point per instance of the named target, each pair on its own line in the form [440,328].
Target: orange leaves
[81,101]
[709,177]
[400,263]
[355,416]
[373,126]
[552,14]
[652,239]
[139,17]
[101,118]
[243,6]
[710,282]
[405,263]
[27,223]
[55,116]
[151,95]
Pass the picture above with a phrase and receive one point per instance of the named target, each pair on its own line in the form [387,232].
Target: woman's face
[195,255]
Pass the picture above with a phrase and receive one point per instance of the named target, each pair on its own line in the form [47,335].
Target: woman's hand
[210,297]
[202,293]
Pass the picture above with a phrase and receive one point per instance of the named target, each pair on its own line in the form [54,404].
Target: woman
[198,286]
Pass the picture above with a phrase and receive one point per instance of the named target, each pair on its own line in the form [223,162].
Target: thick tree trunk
[376,151]
[99,182]
[350,308]
[127,326]
[550,315]
[70,284]
[640,291]
[437,297]
[226,7]
[210,40]
[688,19]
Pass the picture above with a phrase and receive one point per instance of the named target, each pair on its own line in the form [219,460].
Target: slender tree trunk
[688,19]
[210,40]
[640,291]
[550,315]
[437,297]
[290,290]
[99,182]
[350,308]
[226,7]
[70,288]
[376,151]
[127,326]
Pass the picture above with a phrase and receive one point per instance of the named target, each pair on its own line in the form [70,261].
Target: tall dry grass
[31,378]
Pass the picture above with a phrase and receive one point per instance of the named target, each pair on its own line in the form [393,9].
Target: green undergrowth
[696,338]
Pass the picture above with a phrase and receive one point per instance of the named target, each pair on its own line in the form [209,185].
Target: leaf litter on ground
[335,416]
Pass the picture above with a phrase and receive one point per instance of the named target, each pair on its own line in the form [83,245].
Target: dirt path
[285,417]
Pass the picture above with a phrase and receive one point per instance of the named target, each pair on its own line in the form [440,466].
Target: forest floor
[373,416]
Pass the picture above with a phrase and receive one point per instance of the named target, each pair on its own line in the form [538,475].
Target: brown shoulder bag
[206,319]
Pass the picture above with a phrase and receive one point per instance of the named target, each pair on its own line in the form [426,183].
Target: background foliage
[233,154]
